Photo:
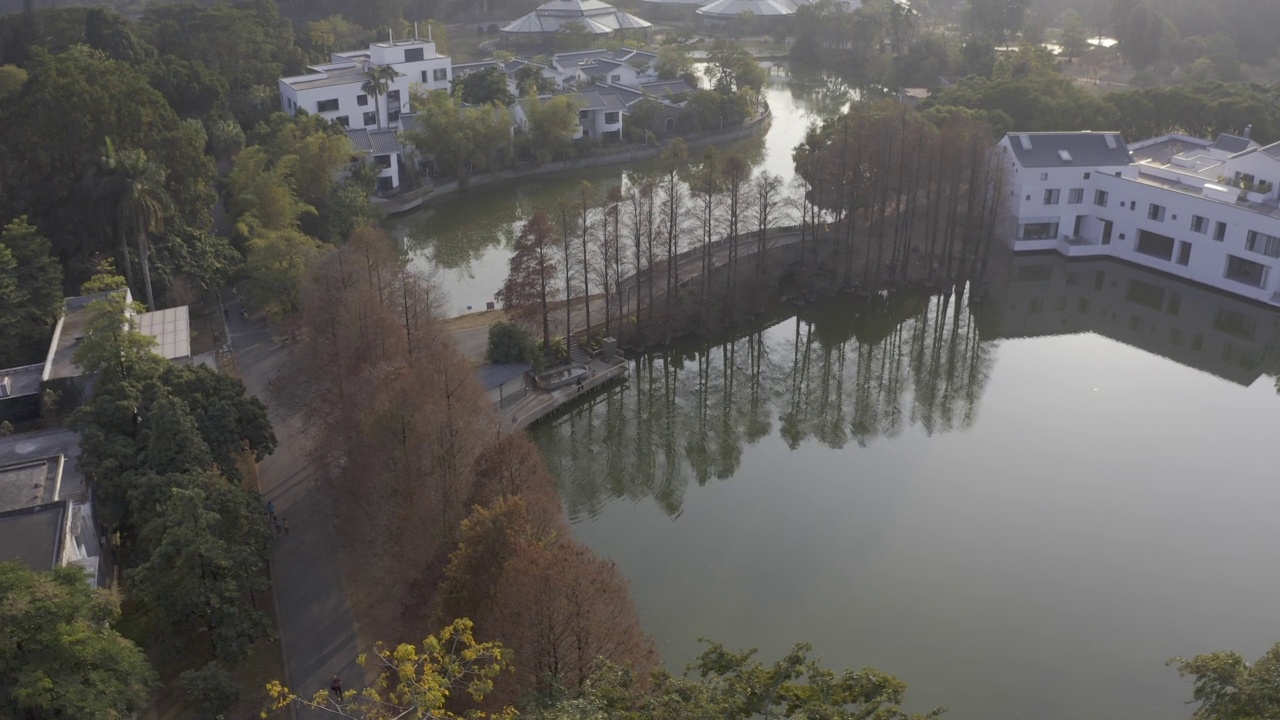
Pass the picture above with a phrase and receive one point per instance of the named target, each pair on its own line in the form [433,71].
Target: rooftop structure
[592,16]
[46,519]
[171,328]
[731,9]
[1205,210]
[20,393]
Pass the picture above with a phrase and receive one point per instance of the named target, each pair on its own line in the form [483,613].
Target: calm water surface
[1022,506]
[465,243]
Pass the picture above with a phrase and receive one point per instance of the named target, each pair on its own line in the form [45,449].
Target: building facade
[1207,211]
[336,92]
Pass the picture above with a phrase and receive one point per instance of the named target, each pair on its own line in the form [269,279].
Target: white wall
[1128,205]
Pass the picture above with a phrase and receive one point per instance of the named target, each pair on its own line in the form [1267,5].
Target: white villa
[335,91]
[1207,211]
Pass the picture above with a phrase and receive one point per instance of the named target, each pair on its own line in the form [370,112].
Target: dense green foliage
[509,343]
[458,140]
[483,88]
[30,293]
[59,656]
[1229,688]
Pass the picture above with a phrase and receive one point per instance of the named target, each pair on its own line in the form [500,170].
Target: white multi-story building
[1207,211]
[336,91]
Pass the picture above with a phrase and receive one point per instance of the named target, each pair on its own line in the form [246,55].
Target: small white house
[335,90]
[600,112]
[619,67]
[1207,211]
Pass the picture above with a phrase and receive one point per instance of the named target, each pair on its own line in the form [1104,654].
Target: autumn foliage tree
[531,281]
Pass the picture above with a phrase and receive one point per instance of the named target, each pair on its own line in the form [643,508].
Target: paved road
[316,629]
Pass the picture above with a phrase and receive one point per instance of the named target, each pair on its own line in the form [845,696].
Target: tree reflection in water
[836,372]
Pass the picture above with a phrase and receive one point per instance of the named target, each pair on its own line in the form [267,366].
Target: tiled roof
[377,142]
[171,329]
[1085,149]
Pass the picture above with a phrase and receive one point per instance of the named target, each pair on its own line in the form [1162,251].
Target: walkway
[317,633]
[538,404]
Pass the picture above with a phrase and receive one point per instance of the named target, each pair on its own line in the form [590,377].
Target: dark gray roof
[601,100]
[376,142]
[1083,149]
[667,88]
[20,381]
[1232,144]
[496,375]
[1273,150]
[33,535]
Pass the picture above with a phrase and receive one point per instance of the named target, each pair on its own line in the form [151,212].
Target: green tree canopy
[59,656]
[484,87]
[30,293]
[1229,688]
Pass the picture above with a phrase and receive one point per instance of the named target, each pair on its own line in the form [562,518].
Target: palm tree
[378,79]
[132,189]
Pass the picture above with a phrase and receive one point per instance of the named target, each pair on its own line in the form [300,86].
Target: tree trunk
[143,251]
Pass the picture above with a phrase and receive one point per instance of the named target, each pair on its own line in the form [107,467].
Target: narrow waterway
[465,242]
[1022,506]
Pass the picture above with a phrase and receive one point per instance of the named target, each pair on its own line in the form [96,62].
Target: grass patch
[470,321]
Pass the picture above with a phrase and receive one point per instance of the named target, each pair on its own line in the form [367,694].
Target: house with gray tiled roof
[1204,210]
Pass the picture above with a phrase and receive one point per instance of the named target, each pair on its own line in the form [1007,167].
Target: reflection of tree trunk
[144,250]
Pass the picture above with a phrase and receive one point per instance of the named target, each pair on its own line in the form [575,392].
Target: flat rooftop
[20,381]
[33,535]
[171,329]
[353,73]
[40,449]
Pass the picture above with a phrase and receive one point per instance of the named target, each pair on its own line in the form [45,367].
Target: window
[1155,212]
[1155,245]
[327,105]
[583,115]
[1044,176]
[440,74]
[1132,204]
[393,114]
[611,118]
[1263,244]
[1088,175]
[1246,271]
[413,55]
[1051,196]
[615,78]
[371,118]
[1100,198]
[362,100]
[424,75]
[382,161]
[1075,196]
[1219,231]
[1184,253]
[343,120]
[1038,229]
[1199,224]
[393,98]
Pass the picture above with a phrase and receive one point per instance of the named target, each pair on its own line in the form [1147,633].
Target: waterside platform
[538,404]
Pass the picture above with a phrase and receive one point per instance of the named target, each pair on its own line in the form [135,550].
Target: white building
[335,90]
[626,66]
[600,114]
[1207,211]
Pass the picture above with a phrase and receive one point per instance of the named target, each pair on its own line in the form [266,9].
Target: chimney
[415,30]
[1248,131]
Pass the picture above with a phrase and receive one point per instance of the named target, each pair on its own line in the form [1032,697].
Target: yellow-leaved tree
[416,682]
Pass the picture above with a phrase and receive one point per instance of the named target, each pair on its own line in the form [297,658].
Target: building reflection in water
[847,371]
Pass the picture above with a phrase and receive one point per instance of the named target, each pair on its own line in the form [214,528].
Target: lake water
[465,243]
[1022,506]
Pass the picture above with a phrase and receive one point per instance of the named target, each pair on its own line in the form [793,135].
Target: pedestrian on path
[286,526]
[335,686]
[271,509]
[276,521]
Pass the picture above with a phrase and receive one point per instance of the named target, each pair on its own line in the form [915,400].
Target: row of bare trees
[907,198]
[442,515]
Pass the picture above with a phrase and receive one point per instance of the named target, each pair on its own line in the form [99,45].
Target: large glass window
[1100,198]
[1155,212]
[413,54]
[1075,196]
[370,118]
[1199,224]
[1246,271]
[1038,228]
[327,105]
[1051,196]
[1155,245]
[1262,244]
[440,74]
